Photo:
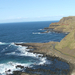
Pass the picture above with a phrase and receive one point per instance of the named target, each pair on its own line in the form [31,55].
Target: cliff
[66,47]
[66,24]
[67,44]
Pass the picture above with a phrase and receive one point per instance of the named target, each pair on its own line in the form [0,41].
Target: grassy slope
[68,41]
[67,44]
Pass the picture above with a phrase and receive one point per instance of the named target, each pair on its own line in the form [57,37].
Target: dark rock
[19,66]
[17,72]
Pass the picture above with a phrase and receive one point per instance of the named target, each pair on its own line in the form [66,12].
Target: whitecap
[36,33]
[12,43]
[6,48]
[12,66]
[12,53]
[24,52]
[2,43]
[40,29]
[43,61]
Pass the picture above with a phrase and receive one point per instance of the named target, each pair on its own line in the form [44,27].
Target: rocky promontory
[65,25]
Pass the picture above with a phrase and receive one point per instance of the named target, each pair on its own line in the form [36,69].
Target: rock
[17,73]
[19,66]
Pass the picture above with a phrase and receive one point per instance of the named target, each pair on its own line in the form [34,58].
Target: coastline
[63,50]
[48,51]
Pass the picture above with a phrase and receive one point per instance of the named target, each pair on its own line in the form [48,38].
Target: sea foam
[2,43]
[12,66]
[23,51]
[36,33]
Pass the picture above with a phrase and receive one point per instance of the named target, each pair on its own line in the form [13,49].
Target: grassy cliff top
[66,24]
[67,19]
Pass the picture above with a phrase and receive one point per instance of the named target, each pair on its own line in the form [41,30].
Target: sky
[35,10]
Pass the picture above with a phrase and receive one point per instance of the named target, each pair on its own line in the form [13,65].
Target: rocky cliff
[67,44]
[66,24]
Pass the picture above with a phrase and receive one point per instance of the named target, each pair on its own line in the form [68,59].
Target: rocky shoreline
[52,30]
[47,50]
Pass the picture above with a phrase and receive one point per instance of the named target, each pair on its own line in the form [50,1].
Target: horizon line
[27,21]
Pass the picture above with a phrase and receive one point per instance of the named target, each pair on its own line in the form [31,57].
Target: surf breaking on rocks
[18,50]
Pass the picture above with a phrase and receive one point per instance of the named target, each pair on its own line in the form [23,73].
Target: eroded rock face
[66,19]
[66,24]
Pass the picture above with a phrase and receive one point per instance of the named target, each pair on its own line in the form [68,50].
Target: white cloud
[50,16]
[37,18]
[15,18]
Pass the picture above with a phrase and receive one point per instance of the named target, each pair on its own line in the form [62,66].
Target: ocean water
[24,32]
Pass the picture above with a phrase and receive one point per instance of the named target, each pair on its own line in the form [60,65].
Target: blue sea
[25,32]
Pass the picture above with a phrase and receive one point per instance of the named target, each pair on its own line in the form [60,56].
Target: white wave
[2,43]
[40,29]
[24,52]
[11,66]
[6,48]
[41,32]
[12,53]
[19,42]
[43,61]
[12,43]
[36,33]
[49,32]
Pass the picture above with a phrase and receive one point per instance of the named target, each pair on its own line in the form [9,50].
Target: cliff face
[67,19]
[67,44]
[66,24]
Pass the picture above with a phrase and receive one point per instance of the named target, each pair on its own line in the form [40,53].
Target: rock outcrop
[66,24]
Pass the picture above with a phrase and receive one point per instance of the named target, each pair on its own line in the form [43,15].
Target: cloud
[37,18]
[12,19]
[16,18]
[22,18]
[50,16]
